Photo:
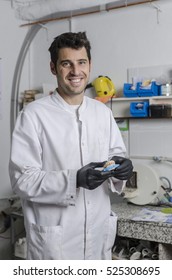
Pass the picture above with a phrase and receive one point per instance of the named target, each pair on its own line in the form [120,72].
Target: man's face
[72,71]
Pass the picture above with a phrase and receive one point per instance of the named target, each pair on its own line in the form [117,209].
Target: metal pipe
[17,74]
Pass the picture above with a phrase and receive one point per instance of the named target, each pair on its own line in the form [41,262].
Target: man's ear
[53,68]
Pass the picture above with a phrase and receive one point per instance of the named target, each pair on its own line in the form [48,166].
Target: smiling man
[59,144]
[72,69]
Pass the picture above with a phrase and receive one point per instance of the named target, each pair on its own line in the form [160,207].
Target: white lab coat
[50,143]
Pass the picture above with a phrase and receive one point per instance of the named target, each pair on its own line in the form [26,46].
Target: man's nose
[75,69]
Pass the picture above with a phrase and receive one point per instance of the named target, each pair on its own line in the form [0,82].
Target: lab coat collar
[63,104]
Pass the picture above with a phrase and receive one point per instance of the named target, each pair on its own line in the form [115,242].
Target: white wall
[121,39]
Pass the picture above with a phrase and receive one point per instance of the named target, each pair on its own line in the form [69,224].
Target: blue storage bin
[154,90]
[128,92]
[139,109]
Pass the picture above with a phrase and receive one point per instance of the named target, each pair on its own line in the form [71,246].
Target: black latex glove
[124,170]
[89,178]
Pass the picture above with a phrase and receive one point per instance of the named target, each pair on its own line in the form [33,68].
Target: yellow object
[146,83]
[166,210]
[104,88]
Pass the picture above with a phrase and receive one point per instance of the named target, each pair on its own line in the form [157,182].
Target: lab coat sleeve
[28,179]
[116,148]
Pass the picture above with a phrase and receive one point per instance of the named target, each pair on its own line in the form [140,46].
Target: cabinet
[121,106]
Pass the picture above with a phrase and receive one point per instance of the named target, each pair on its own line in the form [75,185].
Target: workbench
[159,232]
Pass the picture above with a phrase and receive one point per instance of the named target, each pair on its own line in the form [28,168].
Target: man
[59,144]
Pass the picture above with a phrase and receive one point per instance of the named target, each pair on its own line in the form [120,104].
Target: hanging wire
[46,29]
[158,10]
[70,22]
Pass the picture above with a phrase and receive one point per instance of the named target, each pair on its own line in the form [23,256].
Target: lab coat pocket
[110,236]
[44,243]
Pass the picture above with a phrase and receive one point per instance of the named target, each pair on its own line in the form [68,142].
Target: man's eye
[66,64]
[82,62]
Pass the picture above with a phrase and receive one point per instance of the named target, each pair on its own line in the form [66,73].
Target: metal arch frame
[17,73]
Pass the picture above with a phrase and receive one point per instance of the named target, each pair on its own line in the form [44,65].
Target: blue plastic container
[128,92]
[140,91]
[139,109]
[154,90]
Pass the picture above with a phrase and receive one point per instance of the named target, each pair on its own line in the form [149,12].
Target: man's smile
[75,81]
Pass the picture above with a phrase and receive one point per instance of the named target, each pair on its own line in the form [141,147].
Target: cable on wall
[158,10]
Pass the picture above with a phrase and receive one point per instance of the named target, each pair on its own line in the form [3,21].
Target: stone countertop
[153,231]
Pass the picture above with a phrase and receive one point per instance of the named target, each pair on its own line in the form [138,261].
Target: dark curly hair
[69,40]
